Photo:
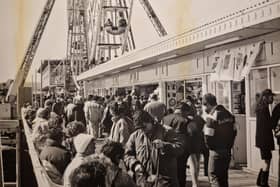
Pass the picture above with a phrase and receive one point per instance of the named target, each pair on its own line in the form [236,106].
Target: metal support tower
[77,50]
[31,51]
[153,17]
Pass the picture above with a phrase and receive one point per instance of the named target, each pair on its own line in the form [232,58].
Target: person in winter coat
[151,153]
[85,146]
[195,127]
[76,112]
[220,133]
[264,135]
[54,156]
[156,108]
[179,123]
[93,114]
[72,129]
[91,173]
[106,122]
[116,175]
[122,125]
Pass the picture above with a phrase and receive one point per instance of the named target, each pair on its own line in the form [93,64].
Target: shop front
[230,58]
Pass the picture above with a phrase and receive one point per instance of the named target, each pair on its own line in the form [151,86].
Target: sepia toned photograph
[139,93]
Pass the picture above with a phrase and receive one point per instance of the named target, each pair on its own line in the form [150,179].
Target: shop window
[258,82]
[223,94]
[275,86]
[193,90]
[181,90]
[210,85]
[238,97]
[275,79]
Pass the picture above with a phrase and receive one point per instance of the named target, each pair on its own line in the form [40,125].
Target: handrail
[41,175]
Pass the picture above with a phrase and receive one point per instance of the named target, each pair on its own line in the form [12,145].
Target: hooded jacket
[81,143]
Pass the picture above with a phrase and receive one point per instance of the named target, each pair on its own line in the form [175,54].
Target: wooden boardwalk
[237,178]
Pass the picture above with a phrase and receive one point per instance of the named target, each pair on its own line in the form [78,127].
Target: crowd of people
[145,144]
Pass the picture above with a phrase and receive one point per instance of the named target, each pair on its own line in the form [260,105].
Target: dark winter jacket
[195,128]
[264,135]
[275,122]
[220,131]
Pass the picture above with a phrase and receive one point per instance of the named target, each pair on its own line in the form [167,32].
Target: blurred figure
[115,152]
[93,114]
[122,125]
[42,115]
[179,123]
[155,108]
[151,153]
[195,127]
[91,173]
[85,146]
[48,104]
[76,112]
[106,121]
[264,135]
[54,156]
[73,129]
[220,133]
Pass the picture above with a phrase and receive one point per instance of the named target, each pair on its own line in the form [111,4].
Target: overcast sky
[19,17]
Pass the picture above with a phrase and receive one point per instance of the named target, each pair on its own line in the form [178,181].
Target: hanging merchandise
[227,69]
[254,52]
[240,60]
[216,68]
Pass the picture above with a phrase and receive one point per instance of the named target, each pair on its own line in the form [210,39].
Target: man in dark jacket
[219,134]
[179,123]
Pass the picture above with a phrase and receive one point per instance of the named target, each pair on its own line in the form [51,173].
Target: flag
[240,59]
[216,68]
[251,58]
[227,69]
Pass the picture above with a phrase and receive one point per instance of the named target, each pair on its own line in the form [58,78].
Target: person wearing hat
[264,134]
[85,146]
[151,153]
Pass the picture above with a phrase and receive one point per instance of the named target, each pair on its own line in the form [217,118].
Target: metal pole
[35,85]
[32,90]
[41,85]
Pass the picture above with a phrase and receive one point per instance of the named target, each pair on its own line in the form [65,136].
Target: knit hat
[141,117]
[81,142]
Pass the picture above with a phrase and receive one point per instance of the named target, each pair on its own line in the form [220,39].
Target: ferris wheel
[100,30]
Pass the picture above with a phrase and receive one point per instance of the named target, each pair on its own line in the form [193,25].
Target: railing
[10,140]
[41,175]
